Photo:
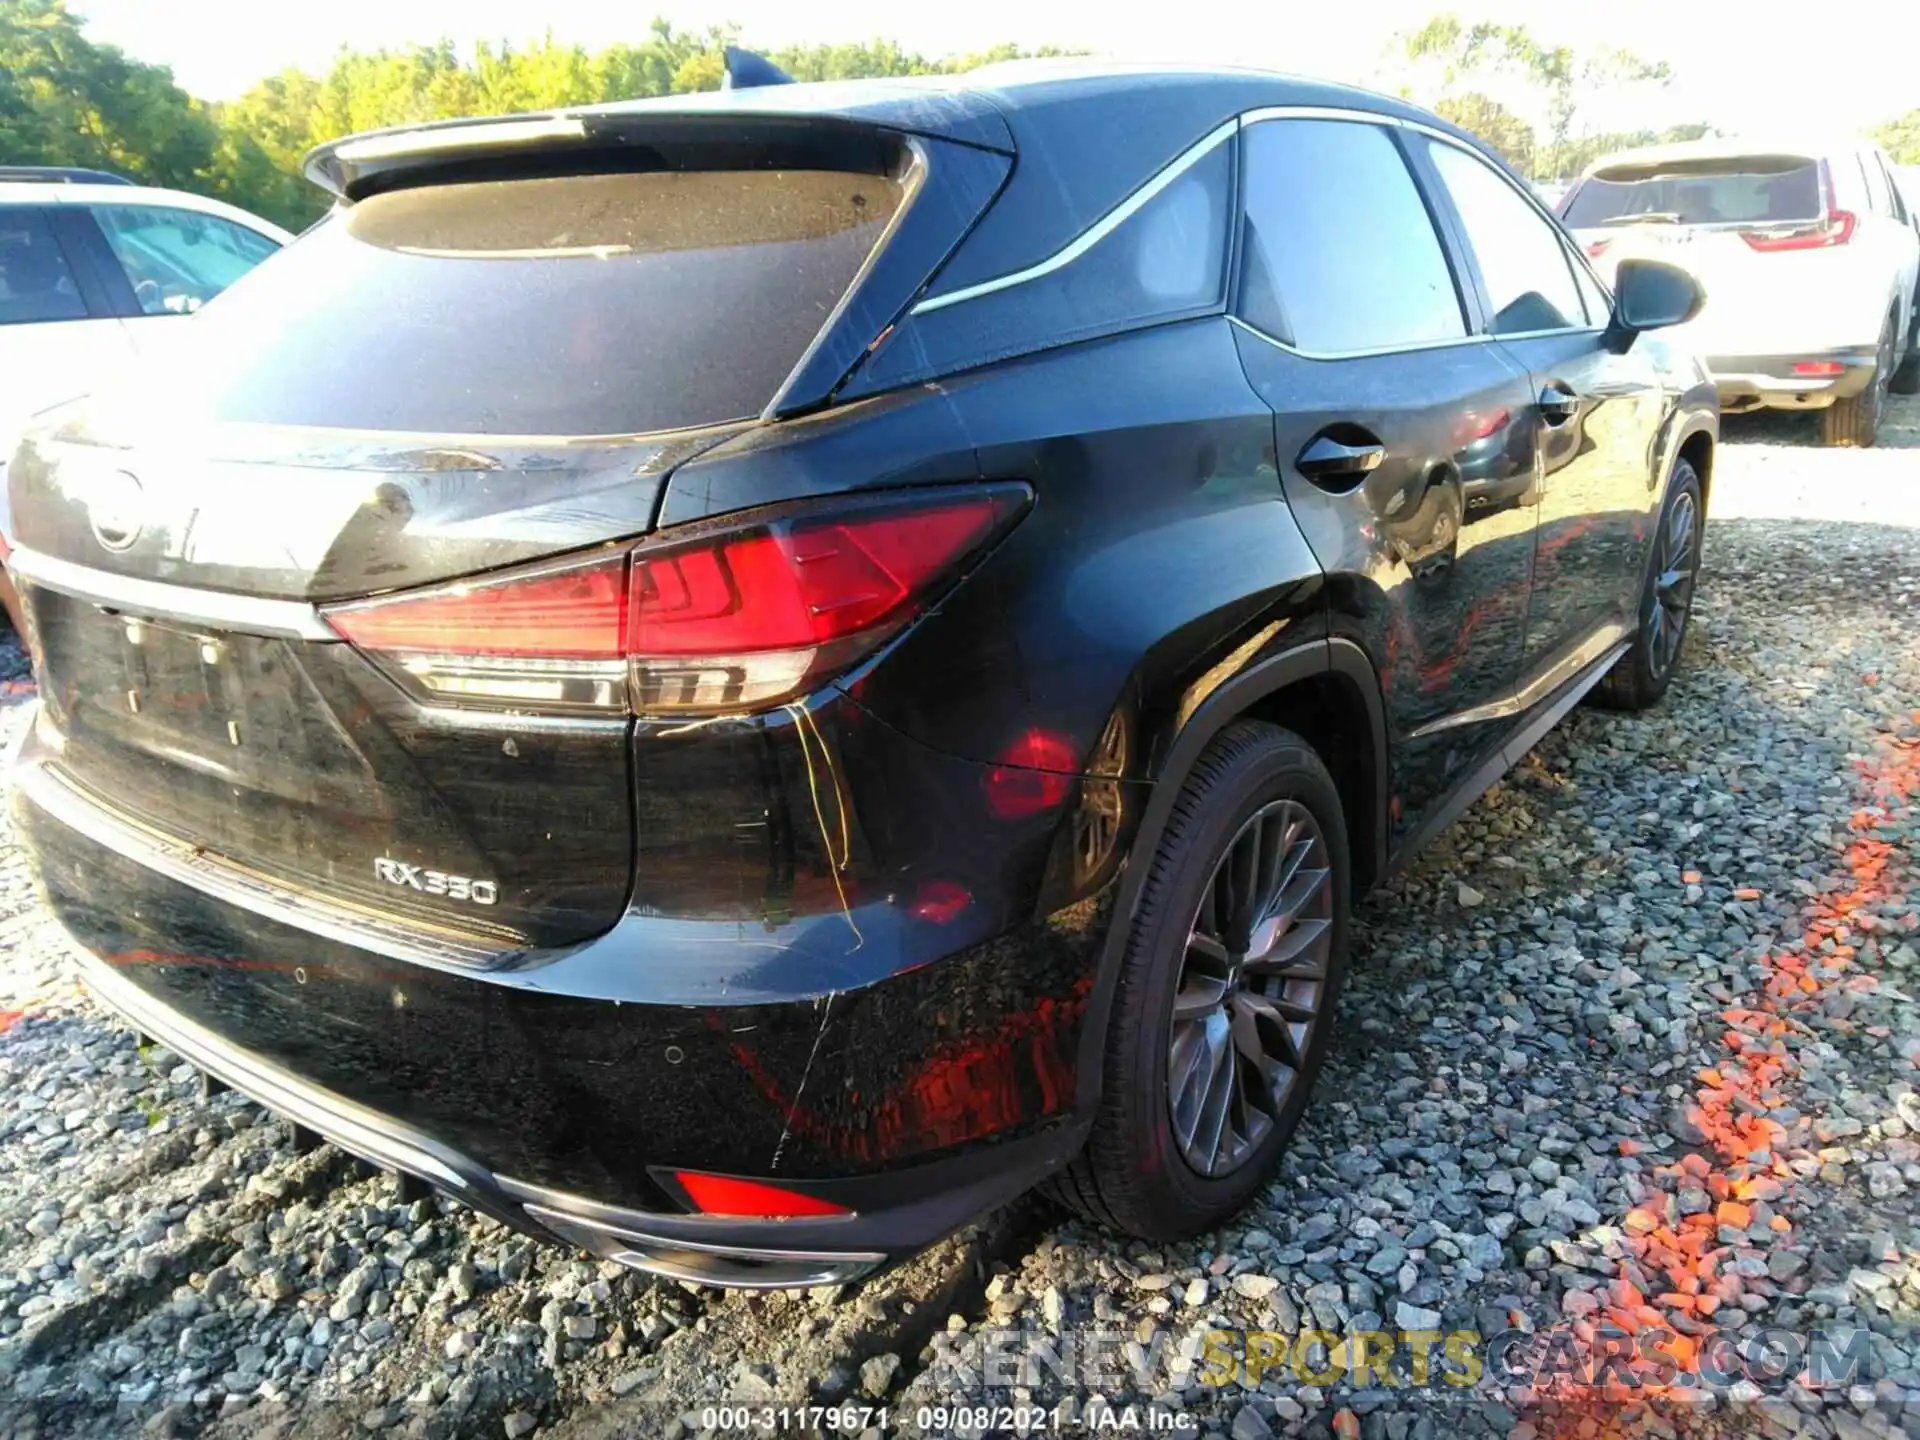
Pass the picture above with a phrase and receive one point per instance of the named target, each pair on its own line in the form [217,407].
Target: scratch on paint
[786,1127]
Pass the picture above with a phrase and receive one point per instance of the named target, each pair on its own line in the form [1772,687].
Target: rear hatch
[1761,232]
[438,382]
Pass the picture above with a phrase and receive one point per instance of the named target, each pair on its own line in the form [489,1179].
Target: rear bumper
[749,1254]
[560,1091]
[1772,381]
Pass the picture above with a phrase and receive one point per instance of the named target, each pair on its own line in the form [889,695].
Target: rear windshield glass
[573,305]
[1742,190]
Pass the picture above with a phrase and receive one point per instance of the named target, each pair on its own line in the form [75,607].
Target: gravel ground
[1633,1042]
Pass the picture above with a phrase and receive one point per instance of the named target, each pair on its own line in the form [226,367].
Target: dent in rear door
[1430,555]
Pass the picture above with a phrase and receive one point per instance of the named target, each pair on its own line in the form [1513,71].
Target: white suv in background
[1808,255]
[95,271]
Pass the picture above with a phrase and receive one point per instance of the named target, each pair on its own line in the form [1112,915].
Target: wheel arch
[1324,690]
[1697,449]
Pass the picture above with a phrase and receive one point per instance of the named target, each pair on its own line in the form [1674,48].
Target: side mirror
[1651,295]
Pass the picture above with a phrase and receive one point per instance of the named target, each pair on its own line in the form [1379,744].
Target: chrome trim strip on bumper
[352,1127]
[156,600]
[242,888]
[709,1264]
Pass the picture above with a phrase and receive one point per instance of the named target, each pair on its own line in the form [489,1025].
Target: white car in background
[1808,255]
[94,272]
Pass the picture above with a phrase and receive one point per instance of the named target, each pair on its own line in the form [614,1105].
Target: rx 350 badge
[437,882]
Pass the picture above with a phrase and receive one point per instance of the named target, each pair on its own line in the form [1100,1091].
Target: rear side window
[177,260]
[1523,259]
[1164,261]
[35,283]
[1737,190]
[569,305]
[1339,252]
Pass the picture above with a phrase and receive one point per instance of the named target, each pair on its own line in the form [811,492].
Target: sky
[1733,66]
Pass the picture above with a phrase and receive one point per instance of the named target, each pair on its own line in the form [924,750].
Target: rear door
[1405,442]
[439,383]
[1596,412]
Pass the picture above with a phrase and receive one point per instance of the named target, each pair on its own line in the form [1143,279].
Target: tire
[1855,420]
[1245,796]
[1641,676]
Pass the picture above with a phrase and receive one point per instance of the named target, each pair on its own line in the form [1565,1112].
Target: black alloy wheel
[1250,988]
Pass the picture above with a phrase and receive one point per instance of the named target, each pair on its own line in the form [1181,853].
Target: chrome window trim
[1095,232]
[156,600]
[1411,348]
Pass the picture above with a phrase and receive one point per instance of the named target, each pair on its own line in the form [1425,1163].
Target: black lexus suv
[740,679]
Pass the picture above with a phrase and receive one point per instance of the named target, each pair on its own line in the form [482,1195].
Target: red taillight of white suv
[1833,228]
[725,618]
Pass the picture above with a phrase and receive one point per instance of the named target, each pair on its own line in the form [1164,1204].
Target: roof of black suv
[1057,119]
[1007,107]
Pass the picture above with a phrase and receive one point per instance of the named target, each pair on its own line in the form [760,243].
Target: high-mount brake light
[729,618]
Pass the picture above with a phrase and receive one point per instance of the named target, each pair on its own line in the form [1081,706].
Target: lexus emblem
[114,510]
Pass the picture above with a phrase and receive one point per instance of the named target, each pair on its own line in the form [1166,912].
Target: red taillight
[748,616]
[721,1195]
[550,638]
[1836,229]
[1818,367]
[579,613]
[1597,248]
[734,618]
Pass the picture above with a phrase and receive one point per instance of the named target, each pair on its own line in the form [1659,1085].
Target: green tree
[1899,137]
[67,101]
[1486,57]
[1487,118]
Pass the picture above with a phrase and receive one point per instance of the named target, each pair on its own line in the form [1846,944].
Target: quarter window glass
[1523,260]
[35,283]
[1340,253]
[177,260]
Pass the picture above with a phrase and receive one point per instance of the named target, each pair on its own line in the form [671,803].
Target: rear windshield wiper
[1648,217]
